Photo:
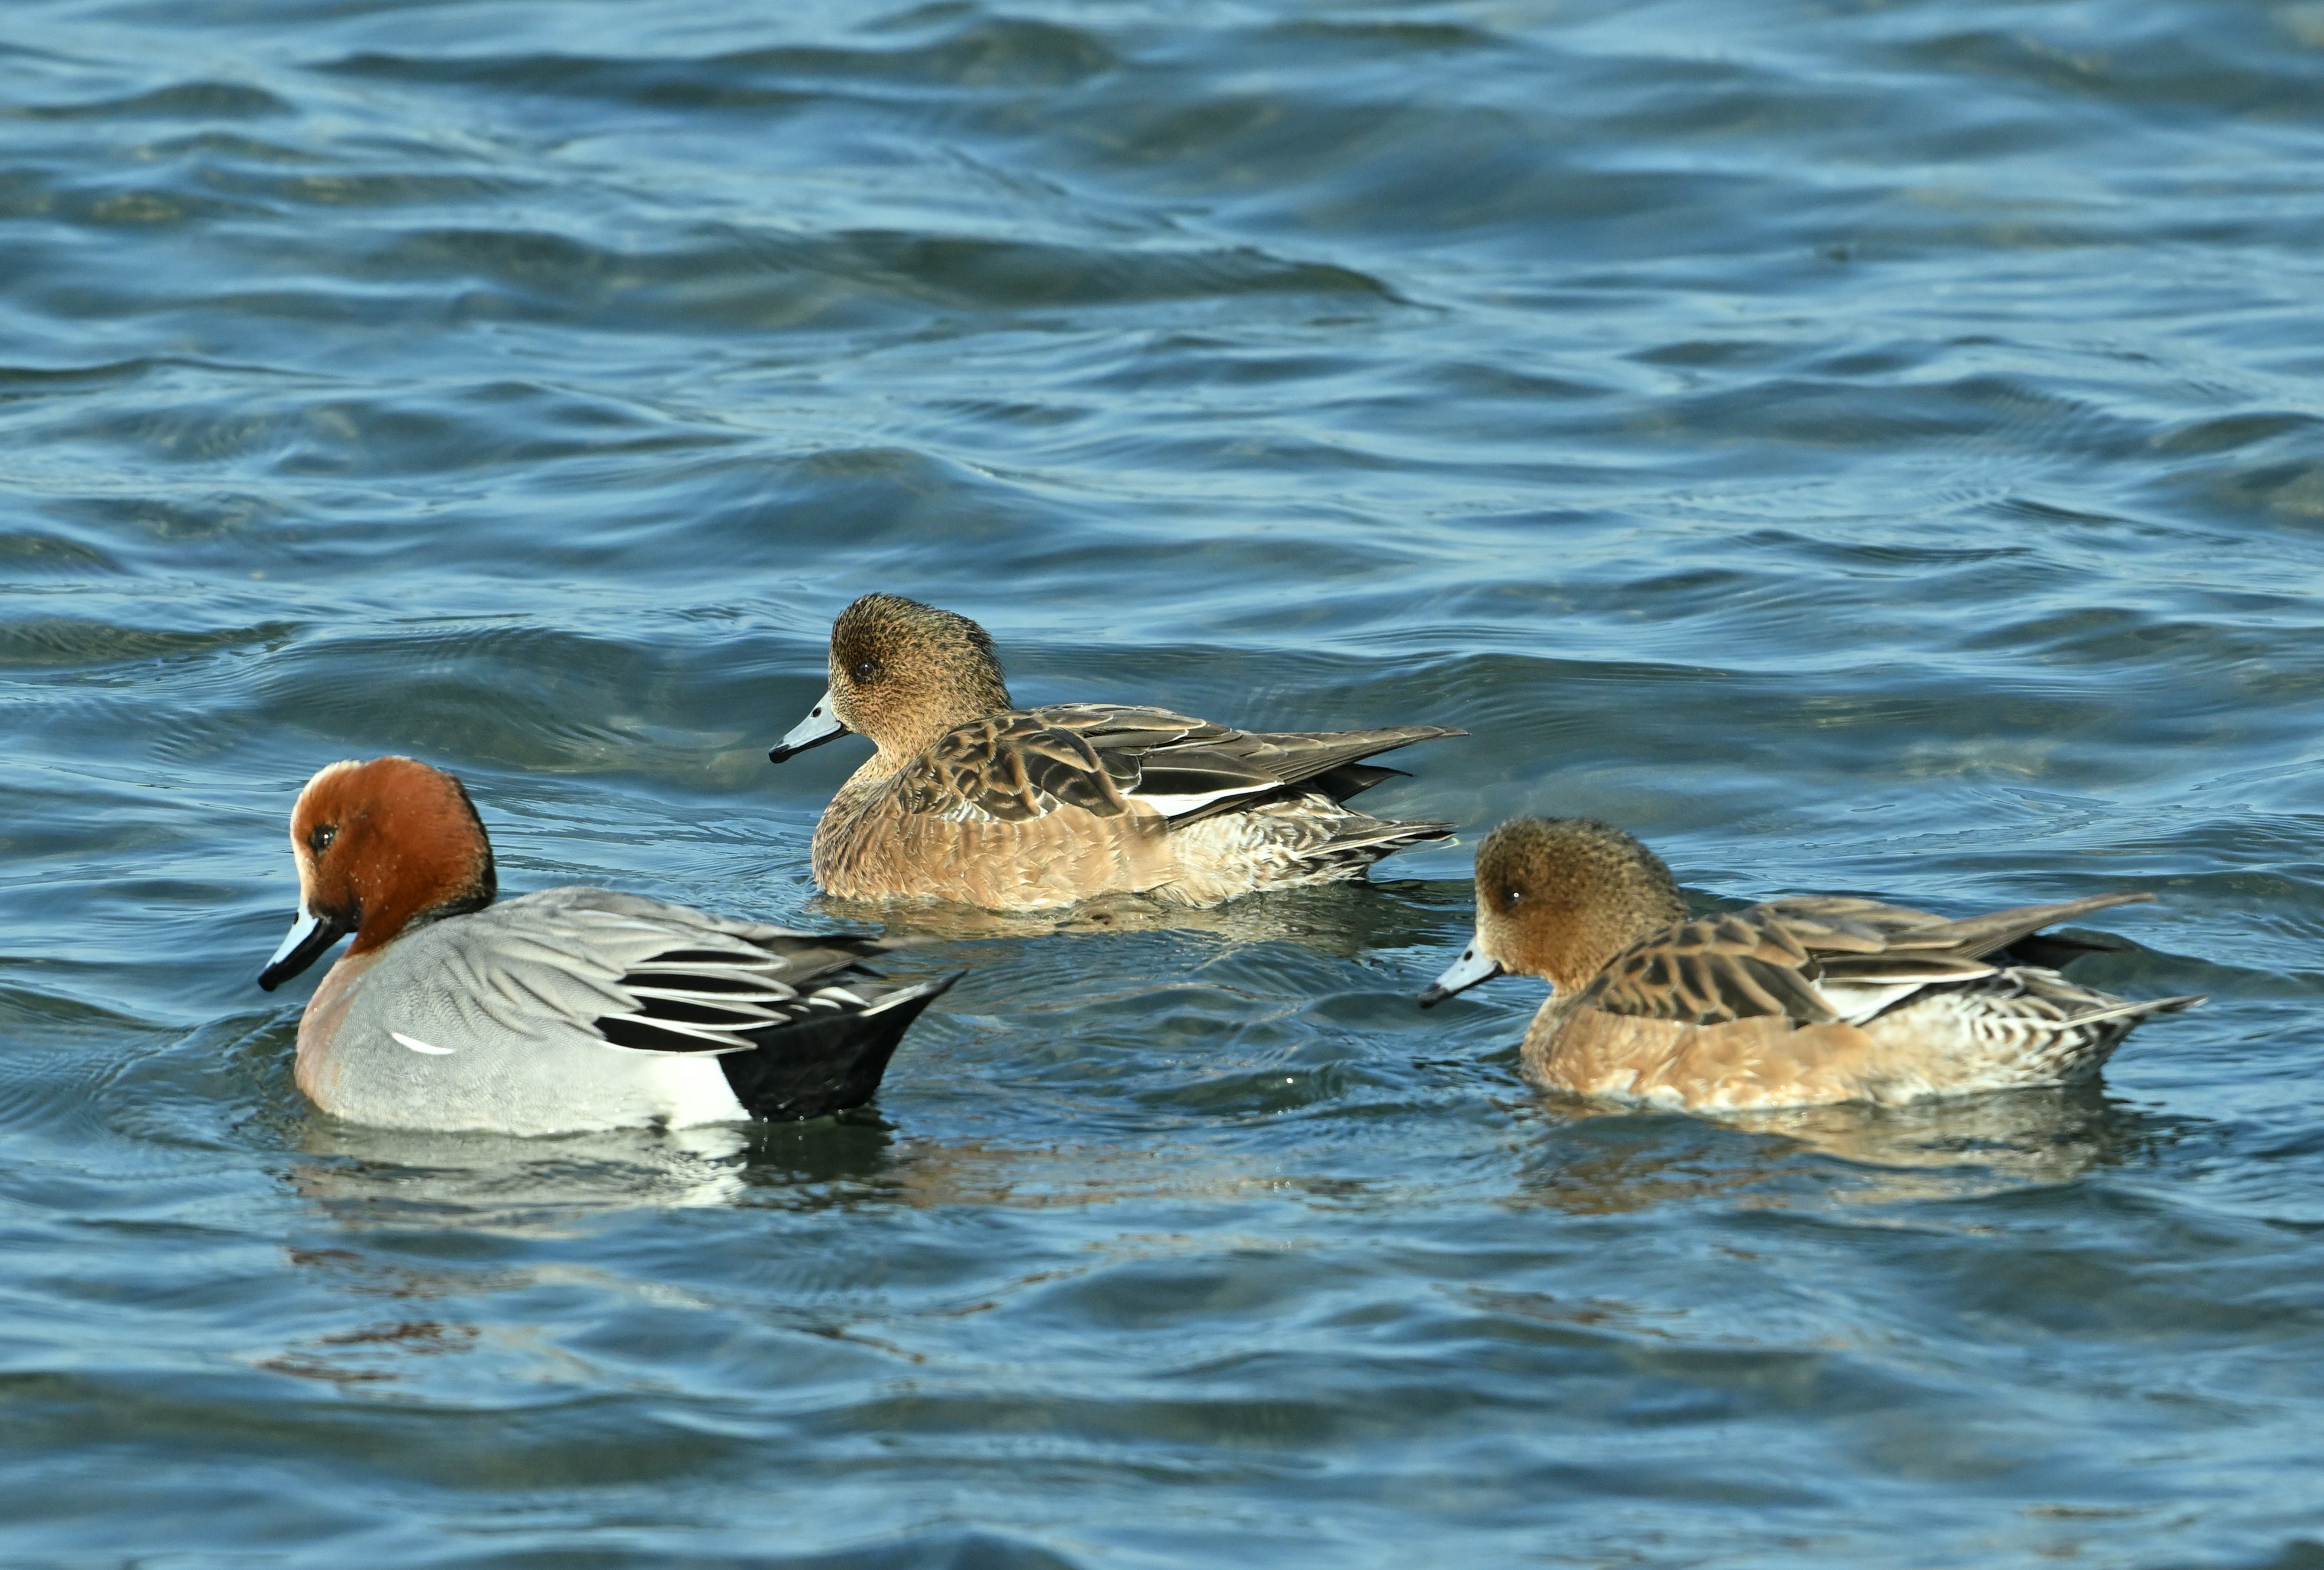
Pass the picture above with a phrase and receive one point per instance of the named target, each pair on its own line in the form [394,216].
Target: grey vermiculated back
[531,1015]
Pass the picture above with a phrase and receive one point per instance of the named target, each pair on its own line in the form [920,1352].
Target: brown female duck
[970,798]
[1790,1004]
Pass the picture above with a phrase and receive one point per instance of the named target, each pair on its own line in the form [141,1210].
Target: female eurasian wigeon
[1790,1004]
[559,1012]
[972,799]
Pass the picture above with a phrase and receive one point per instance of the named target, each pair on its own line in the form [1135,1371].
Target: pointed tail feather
[1365,841]
[1244,769]
[1977,936]
[2134,1009]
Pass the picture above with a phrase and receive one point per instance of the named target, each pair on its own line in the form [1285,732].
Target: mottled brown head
[378,847]
[904,673]
[1558,897]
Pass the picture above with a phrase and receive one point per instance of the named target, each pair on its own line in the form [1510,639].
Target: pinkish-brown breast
[863,851]
[1768,1060]
[317,1070]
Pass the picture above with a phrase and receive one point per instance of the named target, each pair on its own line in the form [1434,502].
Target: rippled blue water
[1868,446]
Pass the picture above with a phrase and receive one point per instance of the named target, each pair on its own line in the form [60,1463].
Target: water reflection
[375,1180]
[1593,1159]
[2016,1137]
[369,1179]
[1344,920]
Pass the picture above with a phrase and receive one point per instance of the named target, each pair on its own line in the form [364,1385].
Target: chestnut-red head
[380,845]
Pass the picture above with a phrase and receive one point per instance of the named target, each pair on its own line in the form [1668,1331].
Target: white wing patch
[1857,1001]
[1173,806]
[417,1044]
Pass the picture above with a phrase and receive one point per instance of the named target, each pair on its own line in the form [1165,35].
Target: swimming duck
[568,1010]
[970,798]
[1793,1002]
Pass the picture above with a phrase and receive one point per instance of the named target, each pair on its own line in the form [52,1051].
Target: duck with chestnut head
[1793,1002]
[968,797]
[568,1010]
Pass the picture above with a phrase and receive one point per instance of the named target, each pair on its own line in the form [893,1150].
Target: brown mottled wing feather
[1829,925]
[1767,959]
[1197,770]
[1011,767]
[1974,936]
[1099,757]
[1722,967]
[1125,728]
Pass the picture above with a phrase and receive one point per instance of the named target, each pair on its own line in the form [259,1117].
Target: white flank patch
[417,1044]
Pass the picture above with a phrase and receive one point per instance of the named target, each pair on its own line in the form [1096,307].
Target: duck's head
[380,845]
[903,674]
[1559,897]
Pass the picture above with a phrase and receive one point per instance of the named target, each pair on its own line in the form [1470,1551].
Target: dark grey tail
[828,1063]
[2057,950]
[1361,841]
[1352,779]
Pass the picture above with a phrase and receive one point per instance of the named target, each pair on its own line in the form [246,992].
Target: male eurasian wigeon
[568,1010]
[971,799]
[1790,1004]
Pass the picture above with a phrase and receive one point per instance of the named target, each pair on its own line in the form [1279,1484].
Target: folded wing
[646,976]
[1108,760]
[1813,960]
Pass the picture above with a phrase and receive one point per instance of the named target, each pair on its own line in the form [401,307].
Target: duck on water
[565,1010]
[970,798]
[1793,1002]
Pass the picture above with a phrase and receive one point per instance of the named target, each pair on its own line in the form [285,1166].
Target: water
[1858,446]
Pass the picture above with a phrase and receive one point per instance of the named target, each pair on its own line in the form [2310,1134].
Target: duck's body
[1790,1004]
[972,799]
[1844,1022]
[578,1009]
[565,1010]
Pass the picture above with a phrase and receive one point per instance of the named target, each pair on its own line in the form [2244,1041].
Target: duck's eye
[320,840]
[864,669]
[1509,897]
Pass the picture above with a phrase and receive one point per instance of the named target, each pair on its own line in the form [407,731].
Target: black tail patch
[822,1065]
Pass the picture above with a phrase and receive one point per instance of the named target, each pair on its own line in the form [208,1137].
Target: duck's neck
[899,750]
[875,772]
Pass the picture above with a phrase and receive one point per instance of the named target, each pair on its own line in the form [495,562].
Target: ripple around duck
[581,696]
[2240,68]
[1865,449]
[20,380]
[764,280]
[981,53]
[26,553]
[182,101]
[57,644]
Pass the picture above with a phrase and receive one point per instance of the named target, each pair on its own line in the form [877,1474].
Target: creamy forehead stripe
[301,928]
[331,772]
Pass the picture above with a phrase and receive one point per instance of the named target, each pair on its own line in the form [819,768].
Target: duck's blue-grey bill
[821,724]
[1459,977]
[309,937]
